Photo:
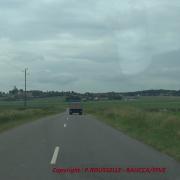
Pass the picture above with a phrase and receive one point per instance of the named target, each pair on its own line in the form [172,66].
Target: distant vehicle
[75,107]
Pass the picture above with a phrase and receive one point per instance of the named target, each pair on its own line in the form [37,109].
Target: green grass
[160,129]
[12,113]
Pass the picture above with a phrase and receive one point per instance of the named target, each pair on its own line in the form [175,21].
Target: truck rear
[75,107]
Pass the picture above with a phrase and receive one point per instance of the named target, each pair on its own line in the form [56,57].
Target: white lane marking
[55,155]
[67,110]
[65,125]
[67,118]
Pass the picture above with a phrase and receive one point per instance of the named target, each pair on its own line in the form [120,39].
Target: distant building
[129,98]
[96,98]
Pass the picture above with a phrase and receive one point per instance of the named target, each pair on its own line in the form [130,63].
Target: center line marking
[65,125]
[67,118]
[55,155]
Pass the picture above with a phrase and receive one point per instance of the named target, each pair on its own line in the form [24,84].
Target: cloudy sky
[90,45]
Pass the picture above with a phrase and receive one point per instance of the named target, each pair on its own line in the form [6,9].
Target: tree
[14,91]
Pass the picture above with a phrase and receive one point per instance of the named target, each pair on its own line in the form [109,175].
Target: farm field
[13,113]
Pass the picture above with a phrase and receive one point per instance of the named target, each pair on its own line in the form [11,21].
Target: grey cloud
[163,72]
[62,79]
[166,65]
[91,45]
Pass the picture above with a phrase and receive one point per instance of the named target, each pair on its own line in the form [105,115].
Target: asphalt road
[32,151]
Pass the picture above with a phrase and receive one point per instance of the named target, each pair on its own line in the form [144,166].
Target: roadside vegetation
[12,113]
[154,121]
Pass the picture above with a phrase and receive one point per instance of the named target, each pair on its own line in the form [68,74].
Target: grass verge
[12,116]
[158,129]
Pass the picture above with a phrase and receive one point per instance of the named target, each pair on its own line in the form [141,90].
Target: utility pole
[25,92]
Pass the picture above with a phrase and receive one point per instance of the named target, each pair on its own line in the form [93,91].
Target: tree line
[16,93]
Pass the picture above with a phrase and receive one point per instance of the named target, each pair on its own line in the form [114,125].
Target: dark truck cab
[75,107]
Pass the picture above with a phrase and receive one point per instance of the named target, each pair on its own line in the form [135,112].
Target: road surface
[33,151]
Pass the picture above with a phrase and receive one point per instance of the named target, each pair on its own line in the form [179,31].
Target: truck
[75,107]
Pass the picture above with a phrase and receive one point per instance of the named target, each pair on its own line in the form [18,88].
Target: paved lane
[31,151]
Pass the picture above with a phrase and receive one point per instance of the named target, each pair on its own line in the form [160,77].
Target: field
[13,113]
[152,120]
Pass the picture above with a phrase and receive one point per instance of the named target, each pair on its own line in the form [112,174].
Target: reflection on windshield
[89,89]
